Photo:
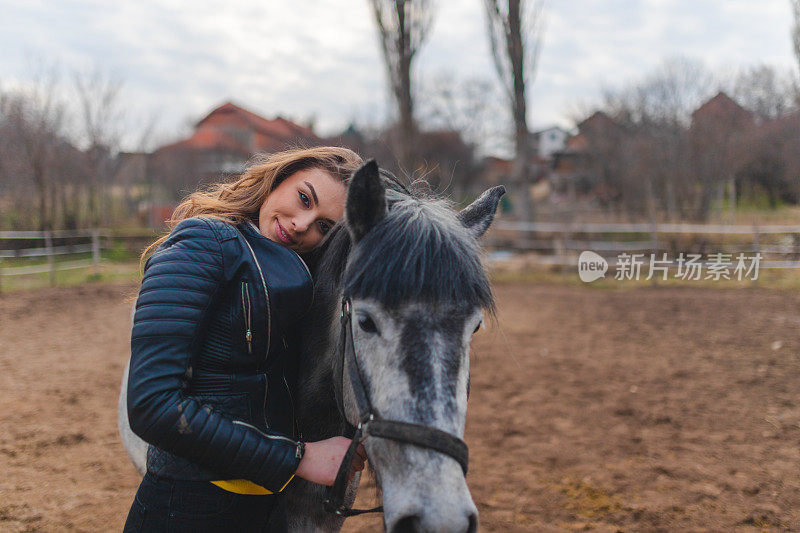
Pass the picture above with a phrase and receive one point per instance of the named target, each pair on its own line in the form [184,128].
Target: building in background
[547,144]
[549,141]
[225,139]
[577,168]
[721,157]
[221,145]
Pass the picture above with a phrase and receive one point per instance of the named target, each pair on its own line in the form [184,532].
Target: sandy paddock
[649,409]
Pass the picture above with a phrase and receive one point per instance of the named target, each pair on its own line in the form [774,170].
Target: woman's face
[300,211]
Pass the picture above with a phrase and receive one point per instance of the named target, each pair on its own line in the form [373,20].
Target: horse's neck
[318,415]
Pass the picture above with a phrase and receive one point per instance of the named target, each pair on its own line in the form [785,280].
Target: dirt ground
[655,409]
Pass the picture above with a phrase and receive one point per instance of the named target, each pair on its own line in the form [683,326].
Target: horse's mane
[420,251]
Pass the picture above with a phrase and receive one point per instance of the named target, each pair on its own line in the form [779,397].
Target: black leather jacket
[211,347]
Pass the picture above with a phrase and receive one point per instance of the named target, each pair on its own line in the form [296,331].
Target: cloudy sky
[317,58]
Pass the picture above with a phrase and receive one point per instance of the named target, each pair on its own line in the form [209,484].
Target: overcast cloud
[320,59]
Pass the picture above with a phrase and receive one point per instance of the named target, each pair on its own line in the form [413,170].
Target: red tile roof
[216,130]
[719,106]
[279,127]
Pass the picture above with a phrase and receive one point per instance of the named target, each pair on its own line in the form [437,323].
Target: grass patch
[587,500]
[108,271]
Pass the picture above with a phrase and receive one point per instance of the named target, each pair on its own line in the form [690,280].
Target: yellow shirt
[245,486]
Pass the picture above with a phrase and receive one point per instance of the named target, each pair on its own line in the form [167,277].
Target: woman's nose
[301,222]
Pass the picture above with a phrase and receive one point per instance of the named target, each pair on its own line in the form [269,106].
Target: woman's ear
[366,200]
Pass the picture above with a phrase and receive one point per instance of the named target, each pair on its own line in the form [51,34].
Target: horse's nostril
[472,527]
[407,524]
[413,523]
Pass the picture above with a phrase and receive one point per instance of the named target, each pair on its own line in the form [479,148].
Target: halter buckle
[346,307]
[363,427]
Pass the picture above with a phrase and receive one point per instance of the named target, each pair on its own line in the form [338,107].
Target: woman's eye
[474,331]
[304,198]
[324,227]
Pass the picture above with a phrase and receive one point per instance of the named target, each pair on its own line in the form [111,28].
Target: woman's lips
[281,233]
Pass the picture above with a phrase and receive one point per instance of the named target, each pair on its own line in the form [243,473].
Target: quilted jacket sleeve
[179,286]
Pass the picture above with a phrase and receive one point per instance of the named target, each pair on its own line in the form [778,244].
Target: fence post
[795,242]
[96,251]
[48,243]
[654,238]
[757,247]
[567,247]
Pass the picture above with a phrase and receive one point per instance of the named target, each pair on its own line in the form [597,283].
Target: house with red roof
[227,137]
[722,111]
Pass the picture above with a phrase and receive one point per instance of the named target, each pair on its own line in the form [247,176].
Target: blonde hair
[240,200]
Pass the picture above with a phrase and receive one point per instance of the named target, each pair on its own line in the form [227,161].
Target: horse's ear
[478,215]
[366,200]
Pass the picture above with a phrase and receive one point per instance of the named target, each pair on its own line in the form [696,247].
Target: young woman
[221,303]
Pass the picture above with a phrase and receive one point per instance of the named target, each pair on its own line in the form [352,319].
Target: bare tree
[98,96]
[403,26]
[764,90]
[656,113]
[468,105]
[718,138]
[33,121]
[460,116]
[58,151]
[515,32]
[771,163]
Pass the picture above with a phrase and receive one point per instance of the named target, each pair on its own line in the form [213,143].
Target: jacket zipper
[266,294]
[248,336]
[269,320]
[276,437]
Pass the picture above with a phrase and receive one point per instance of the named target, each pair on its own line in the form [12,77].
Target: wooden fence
[559,244]
[58,244]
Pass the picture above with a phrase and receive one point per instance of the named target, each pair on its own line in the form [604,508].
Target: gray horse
[411,268]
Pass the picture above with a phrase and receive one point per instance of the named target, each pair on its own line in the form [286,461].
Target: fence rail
[42,244]
[43,252]
[559,244]
[555,244]
[591,227]
[55,234]
[41,269]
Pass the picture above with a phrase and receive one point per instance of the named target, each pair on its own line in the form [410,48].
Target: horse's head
[418,292]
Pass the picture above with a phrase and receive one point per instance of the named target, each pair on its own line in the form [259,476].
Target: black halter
[371,425]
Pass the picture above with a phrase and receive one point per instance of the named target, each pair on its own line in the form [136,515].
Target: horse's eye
[367,324]
[474,331]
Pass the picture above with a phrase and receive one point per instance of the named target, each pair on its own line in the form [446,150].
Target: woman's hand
[321,460]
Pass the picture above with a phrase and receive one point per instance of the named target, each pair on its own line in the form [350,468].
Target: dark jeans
[165,504]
